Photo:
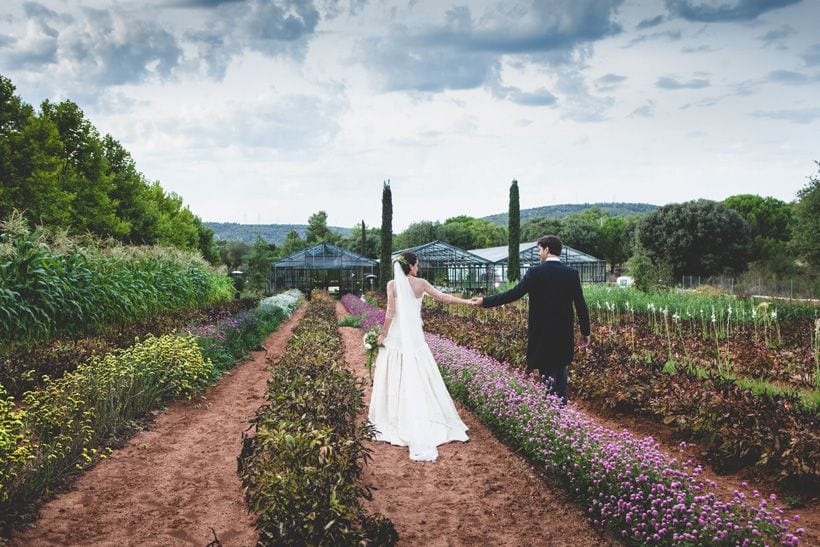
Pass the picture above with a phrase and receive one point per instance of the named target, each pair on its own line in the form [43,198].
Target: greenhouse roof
[439,252]
[325,256]
[529,253]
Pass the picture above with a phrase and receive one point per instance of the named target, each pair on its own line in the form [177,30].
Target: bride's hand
[380,340]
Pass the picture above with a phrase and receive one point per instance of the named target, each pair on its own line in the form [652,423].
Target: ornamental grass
[55,287]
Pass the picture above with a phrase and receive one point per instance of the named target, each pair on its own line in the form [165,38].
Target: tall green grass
[52,286]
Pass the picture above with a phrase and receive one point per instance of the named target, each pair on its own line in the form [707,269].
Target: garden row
[736,427]
[724,306]
[24,369]
[63,426]
[625,484]
[785,354]
[301,468]
[55,287]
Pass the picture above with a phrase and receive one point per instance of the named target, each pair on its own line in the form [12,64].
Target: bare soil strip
[174,483]
[476,493]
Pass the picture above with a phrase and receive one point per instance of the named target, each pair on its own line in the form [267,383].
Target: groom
[554,289]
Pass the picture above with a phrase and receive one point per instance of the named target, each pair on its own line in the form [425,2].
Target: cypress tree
[514,230]
[364,240]
[386,251]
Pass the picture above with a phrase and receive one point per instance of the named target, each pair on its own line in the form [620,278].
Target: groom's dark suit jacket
[554,289]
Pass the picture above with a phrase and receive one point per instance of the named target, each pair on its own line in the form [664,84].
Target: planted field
[63,425]
[53,287]
[775,430]
[301,468]
[625,484]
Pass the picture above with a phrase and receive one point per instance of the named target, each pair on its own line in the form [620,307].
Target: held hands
[476,301]
[584,342]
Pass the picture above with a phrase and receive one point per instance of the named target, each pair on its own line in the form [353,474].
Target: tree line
[58,170]
[700,237]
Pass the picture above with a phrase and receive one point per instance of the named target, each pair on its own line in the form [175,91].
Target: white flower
[774,314]
[368,346]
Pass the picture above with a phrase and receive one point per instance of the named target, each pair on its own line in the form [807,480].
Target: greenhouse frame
[590,268]
[450,268]
[324,266]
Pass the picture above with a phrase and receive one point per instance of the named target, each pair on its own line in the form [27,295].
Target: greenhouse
[324,266]
[449,267]
[590,269]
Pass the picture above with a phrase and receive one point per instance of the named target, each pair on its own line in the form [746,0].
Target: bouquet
[371,349]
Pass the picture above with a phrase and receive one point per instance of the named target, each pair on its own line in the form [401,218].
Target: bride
[410,405]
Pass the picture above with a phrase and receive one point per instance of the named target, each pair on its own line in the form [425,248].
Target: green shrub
[302,467]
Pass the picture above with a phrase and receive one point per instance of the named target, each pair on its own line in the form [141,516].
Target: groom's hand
[477,301]
[584,342]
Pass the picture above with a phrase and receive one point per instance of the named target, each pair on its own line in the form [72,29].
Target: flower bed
[371,316]
[625,484]
[61,427]
[301,468]
[23,369]
[736,426]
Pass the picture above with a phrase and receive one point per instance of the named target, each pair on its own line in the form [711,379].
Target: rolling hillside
[272,233]
[560,211]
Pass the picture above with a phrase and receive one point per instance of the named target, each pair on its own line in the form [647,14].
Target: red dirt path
[476,493]
[174,482]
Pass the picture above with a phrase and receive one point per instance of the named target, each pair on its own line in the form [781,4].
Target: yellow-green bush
[58,427]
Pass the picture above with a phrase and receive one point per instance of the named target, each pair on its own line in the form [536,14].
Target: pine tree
[386,251]
[514,230]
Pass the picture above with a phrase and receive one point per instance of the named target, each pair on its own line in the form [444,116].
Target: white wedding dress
[410,405]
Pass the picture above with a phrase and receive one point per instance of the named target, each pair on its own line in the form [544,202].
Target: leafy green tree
[582,231]
[770,221]
[259,262]
[418,233]
[696,238]
[806,229]
[317,230]
[386,247]
[642,270]
[232,253]
[369,238]
[538,227]
[30,165]
[514,231]
[84,174]
[614,241]
[292,244]
[468,232]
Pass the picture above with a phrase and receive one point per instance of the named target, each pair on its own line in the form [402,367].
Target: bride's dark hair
[409,260]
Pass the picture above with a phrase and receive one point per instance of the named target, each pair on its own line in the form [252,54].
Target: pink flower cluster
[624,483]
[371,316]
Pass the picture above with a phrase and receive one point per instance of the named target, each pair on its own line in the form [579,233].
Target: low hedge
[301,467]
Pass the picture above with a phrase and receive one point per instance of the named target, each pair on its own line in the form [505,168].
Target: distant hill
[272,233]
[560,211]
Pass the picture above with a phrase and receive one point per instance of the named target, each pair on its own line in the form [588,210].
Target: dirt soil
[174,483]
[476,493]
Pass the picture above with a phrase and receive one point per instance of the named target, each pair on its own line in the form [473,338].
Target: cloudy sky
[270,110]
